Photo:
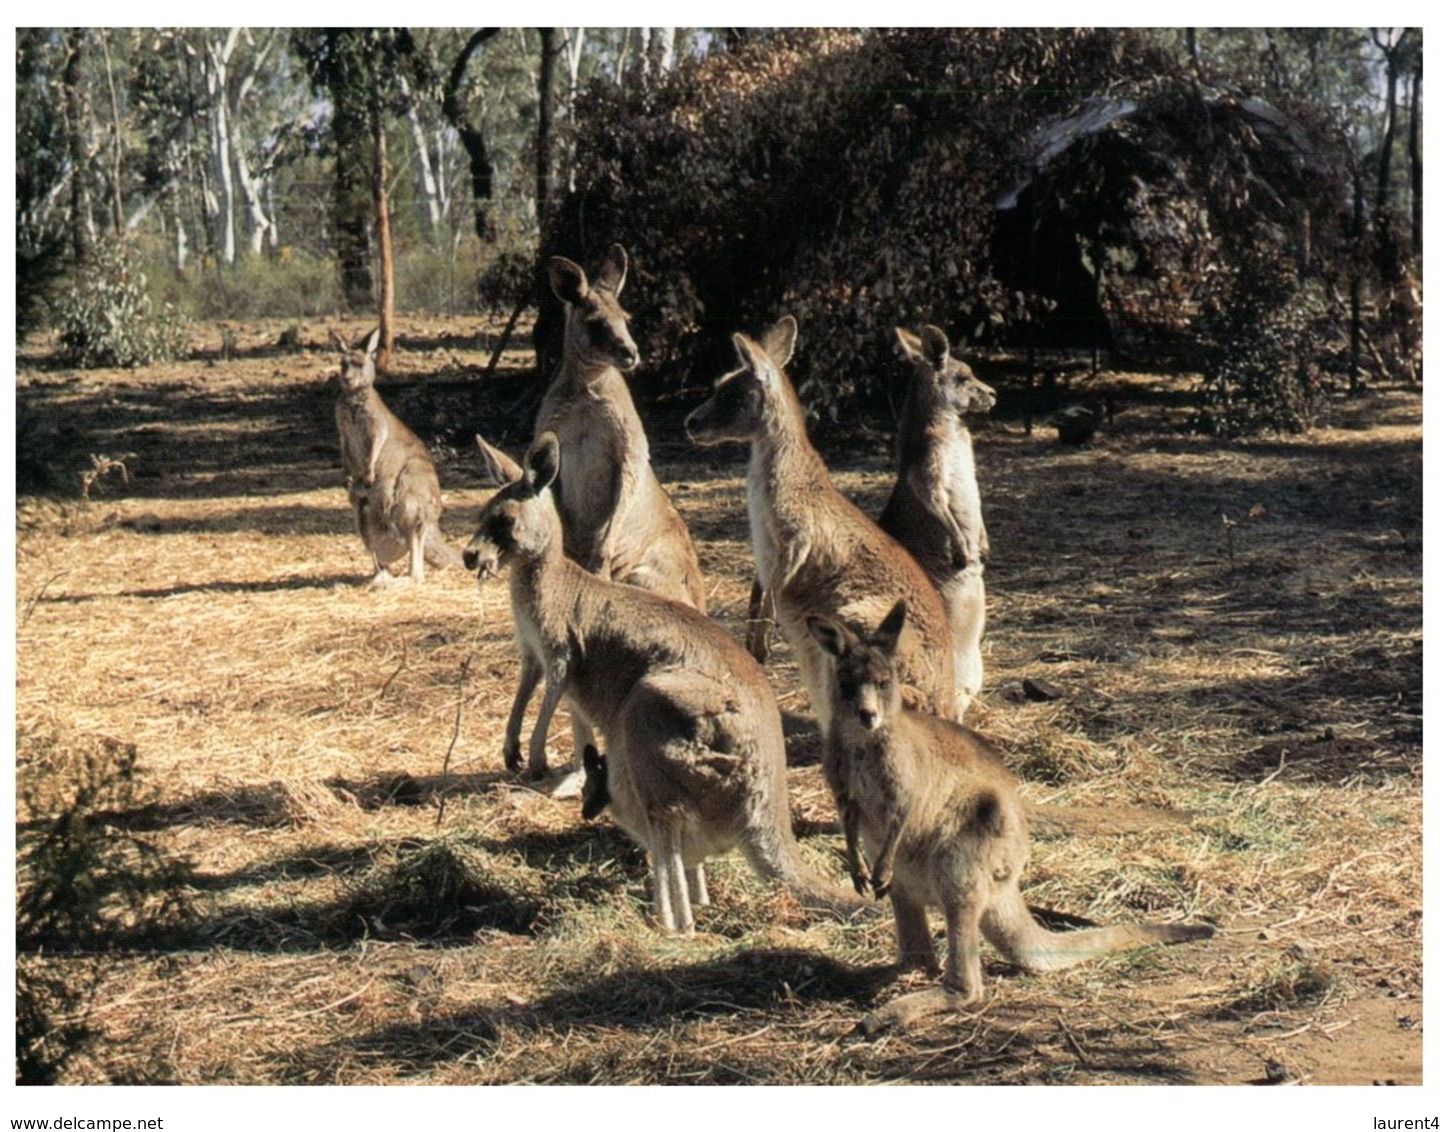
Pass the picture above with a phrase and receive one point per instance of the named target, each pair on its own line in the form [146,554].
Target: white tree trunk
[573,54]
[216,59]
[254,213]
[430,204]
[661,52]
[254,210]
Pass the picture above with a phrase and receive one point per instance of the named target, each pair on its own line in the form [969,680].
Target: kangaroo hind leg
[667,875]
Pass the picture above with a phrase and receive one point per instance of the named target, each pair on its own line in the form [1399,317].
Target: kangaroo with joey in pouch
[391,482]
[933,819]
[694,754]
[935,509]
[815,552]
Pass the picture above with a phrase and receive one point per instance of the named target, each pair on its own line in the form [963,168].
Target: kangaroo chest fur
[601,442]
[936,497]
[957,823]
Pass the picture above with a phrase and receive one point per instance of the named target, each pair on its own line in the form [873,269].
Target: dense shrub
[299,285]
[107,318]
[1265,348]
[82,884]
[862,180]
[846,178]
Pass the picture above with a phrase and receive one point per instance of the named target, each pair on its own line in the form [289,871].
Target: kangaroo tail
[439,551]
[1027,945]
[776,857]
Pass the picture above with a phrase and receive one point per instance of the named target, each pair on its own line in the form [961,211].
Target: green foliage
[1265,334]
[846,178]
[81,884]
[299,286]
[443,887]
[39,163]
[81,881]
[107,318]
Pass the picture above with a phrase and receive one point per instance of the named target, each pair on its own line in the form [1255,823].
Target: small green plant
[1296,982]
[107,317]
[1264,335]
[441,888]
[82,884]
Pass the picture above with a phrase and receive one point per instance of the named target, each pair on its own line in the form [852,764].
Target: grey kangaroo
[932,818]
[695,757]
[815,552]
[391,482]
[618,521]
[935,510]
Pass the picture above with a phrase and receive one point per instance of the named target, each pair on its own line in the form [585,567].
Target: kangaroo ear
[541,463]
[831,635]
[499,468]
[752,357]
[909,345]
[339,343]
[888,633]
[568,280]
[614,269]
[779,341]
[370,347]
[934,342]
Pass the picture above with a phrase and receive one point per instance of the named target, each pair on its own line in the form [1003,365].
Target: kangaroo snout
[482,561]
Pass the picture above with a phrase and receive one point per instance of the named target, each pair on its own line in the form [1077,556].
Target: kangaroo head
[595,793]
[866,688]
[737,409]
[359,367]
[520,522]
[596,327]
[947,383]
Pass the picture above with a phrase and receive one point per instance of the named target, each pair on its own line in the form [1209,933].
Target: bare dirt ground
[1235,629]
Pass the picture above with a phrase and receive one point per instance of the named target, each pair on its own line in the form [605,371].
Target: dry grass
[1239,740]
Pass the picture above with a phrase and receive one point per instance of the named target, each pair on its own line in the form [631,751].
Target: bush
[847,178]
[81,884]
[1265,343]
[296,285]
[107,318]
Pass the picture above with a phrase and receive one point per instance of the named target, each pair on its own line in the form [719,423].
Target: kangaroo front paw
[513,757]
[880,883]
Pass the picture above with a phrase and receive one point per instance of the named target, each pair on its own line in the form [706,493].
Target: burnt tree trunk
[77,129]
[480,160]
[385,239]
[1417,168]
[544,152]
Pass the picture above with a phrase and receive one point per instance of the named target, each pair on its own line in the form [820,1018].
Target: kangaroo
[814,551]
[695,762]
[618,521]
[391,482]
[938,813]
[595,795]
[935,510]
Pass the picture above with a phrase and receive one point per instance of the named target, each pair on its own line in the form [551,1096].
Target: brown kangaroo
[935,510]
[695,757]
[391,482]
[815,552]
[934,812]
[618,521]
